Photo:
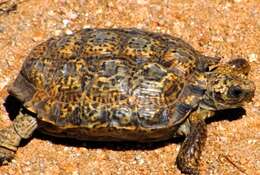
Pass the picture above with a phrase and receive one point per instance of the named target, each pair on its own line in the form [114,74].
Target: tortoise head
[228,86]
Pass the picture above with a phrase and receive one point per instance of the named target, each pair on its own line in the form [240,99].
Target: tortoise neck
[198,80]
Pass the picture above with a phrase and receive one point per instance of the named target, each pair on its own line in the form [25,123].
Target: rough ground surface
[226,28]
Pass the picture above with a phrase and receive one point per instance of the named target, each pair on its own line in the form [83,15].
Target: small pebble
[65,22]
[72,15]
[68,32]
[86,26]
[67,148]
[142,2]
[75,173]
[51,13]
[252,57]
[139,160]
[251,141]
[99,11]
[57,32]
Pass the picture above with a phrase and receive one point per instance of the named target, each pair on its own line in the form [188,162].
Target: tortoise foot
[6,155]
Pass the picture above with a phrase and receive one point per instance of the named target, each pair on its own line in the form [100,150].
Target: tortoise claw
[6,155]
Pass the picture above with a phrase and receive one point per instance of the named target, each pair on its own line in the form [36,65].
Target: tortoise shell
[112,84]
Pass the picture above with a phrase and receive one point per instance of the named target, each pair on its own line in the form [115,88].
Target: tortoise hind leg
[10,137]
[188,157]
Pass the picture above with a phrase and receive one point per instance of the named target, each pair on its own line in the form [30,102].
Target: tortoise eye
[235,92]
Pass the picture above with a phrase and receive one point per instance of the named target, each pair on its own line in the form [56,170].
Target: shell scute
[101,43]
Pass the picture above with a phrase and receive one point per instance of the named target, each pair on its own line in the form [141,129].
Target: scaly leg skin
[10,137]
[188,158]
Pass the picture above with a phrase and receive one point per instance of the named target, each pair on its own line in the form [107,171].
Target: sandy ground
[224,28]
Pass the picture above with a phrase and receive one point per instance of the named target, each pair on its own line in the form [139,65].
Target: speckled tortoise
[124,85]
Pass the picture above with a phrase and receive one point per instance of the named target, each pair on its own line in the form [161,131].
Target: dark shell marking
[108,82]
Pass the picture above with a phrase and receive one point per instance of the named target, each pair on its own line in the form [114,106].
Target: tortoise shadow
[13,106]
[227,114]
[115,145]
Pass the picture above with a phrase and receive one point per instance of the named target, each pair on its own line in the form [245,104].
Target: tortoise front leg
[10,137]
[189,154]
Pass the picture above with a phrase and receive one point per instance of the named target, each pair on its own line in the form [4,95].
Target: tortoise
[124,85]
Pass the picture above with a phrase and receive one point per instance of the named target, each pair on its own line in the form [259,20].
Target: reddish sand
[225,28]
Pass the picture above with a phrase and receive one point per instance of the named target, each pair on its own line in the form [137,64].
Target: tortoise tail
[21,88]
